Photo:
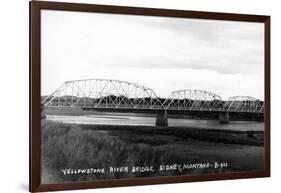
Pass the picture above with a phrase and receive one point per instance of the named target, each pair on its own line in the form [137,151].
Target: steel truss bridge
[104,93]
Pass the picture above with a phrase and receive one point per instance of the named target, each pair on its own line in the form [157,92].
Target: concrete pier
[224,117]
[161,118]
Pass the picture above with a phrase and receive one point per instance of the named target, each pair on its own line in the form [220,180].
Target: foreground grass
[87,146]
[68,146]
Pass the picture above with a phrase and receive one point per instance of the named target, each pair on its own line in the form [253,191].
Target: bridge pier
[224,117]
[161,118]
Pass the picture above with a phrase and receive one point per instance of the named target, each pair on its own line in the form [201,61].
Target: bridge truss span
[243,104]
[106,93]
[193,100]
[103,93]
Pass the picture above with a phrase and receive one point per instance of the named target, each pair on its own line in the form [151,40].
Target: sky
[162,53]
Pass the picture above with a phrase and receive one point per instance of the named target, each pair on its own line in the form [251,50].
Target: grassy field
[100,146]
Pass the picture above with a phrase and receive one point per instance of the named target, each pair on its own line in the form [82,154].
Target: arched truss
[103,93]
[193,100]
[243,104]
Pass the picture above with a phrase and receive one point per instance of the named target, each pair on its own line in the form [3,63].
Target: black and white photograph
[136,96]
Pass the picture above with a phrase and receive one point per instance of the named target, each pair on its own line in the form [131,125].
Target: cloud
[85,45]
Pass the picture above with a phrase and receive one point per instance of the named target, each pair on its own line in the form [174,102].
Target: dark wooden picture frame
[35,98]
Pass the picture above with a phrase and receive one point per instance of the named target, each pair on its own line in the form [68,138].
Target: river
[135,119]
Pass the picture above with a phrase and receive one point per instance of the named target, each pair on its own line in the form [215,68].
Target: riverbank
[102,146]
[147,134]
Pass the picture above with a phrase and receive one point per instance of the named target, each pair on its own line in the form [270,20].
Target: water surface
[135,119]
